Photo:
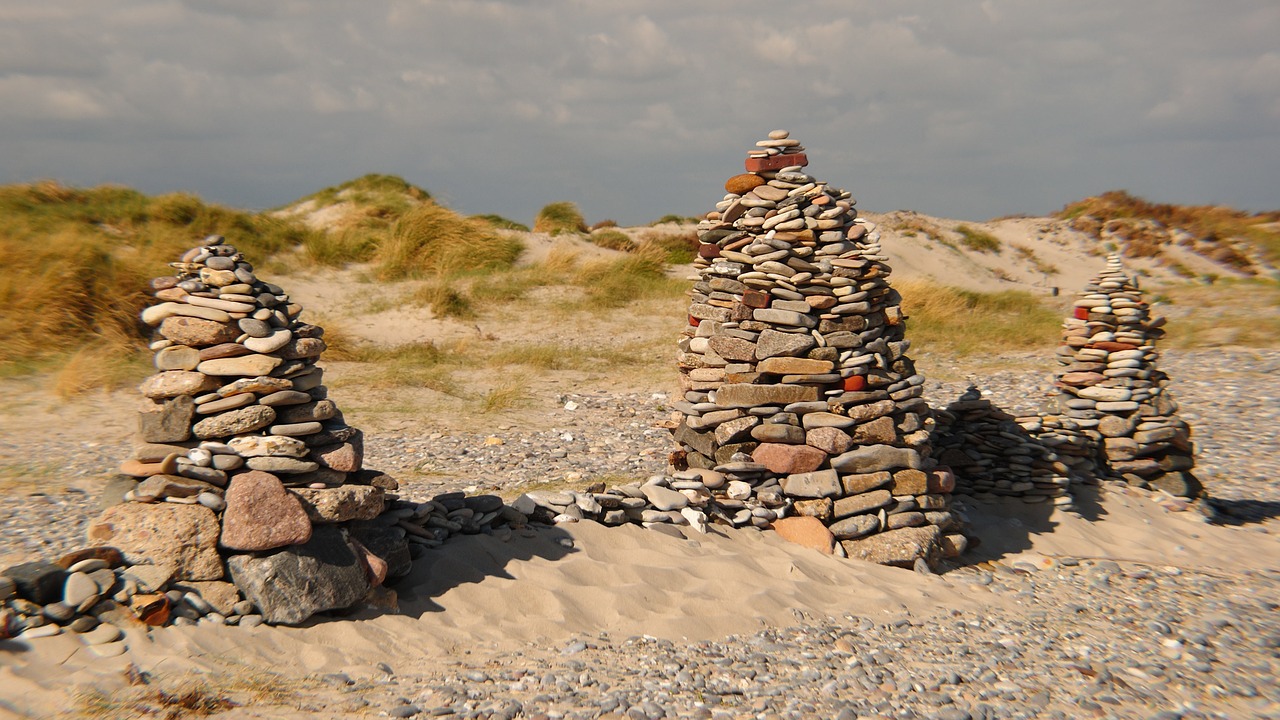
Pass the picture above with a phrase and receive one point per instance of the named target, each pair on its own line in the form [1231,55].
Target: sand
[553,586]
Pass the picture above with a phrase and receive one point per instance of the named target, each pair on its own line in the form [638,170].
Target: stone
[183,538]
[794,366]
[772,343]
[734,430]
[259,445]
[39,581]
[235,422]
[771,432]
[291,585]
[741,395]
[80,589]
[173,383]
[220,595]
[270,343]
[197,332]
[258,385]
[311,412]
[177,357]
[854,527]
[386,543]
[806,531]
[817,484]
[664,498]
[874,458]
[242,366]
[788,459]
[814,420]
[901,547]
[261,514]
[830,440]
[909,482]
[158,487]
[344,457]
[880,431]
[302,347]
[858,504]
[732,348]
[819,508]
[108,556]
[742,184]
[860,483]
[281,465]
[341,504]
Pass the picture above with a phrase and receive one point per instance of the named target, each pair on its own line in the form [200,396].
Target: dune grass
[611,239]
[962,322]
[1229,312]
[434,241]
[559,218]
[74,266]
[977,240]
[502,223]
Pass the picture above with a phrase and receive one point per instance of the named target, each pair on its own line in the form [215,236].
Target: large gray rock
[181,537]
[301,580]
[901,547]
[39,581]
[874,458]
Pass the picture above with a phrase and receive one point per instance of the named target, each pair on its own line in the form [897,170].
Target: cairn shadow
[466,559]
[1005,475]
[1241,512]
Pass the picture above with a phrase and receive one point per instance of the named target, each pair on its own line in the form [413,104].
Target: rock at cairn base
[799,397]
[1110,385]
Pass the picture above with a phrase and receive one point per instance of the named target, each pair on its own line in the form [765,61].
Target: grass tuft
[977,240]
[502,223]
[560,218]
[612,240]
[433,241]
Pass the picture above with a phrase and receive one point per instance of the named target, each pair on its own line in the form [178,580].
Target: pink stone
[261,514]
[788,459]
[806,531]
[829,440]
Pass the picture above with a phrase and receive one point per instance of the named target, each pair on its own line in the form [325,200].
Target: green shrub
[559,218]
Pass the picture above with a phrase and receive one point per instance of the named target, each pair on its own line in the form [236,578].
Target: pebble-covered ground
[1096,638]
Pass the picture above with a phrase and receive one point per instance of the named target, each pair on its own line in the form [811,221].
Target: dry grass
[508,395]
[433,241]
[1229,312]
[962,322]
[977,240]
[612,239]
[1026,253]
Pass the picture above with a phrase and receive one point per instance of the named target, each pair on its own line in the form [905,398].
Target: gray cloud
[636,109]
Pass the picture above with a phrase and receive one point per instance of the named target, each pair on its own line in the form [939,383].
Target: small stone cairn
[1037,458]
[799,398]
[246,500]
[1111,387]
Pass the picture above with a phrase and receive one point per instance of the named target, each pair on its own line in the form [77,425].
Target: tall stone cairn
[1111,387]
[796,381]
[246,470]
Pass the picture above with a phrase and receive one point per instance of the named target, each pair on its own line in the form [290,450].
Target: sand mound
[556,585]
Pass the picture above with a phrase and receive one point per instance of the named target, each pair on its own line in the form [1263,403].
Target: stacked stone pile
[994,453]
[794,367]
[1112,388]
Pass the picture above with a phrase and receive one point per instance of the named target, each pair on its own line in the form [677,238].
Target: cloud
[636,109]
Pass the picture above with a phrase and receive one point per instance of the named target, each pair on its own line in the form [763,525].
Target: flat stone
[830,440]
[259,445]
[824,419]
[173,383]
[863,503]
[874,458]
[224,350]
[271,343]
[909,482]
[262,515]
[745,396]
[257,385]
[788,459]
[1105,394]
[181,537]
[282,465]
[297,582]
[772,343]
[235,422]
[340,504]
[254,327]
[734,430]
[285,397]
[784,317]
[198,332]
[900,547]
[243,366]
[158,487]
[794,366]
[816,484]
[177,357]
[664,498]
[223,404]
[806,531]
[860,483]
[778,433]
[870,411]
[732,348]
[854,527]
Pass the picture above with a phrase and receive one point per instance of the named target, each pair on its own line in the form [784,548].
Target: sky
[637,109]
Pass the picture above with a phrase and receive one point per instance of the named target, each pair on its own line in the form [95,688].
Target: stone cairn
[1037,458]
[1111,388]
[799,398]
[246,500]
